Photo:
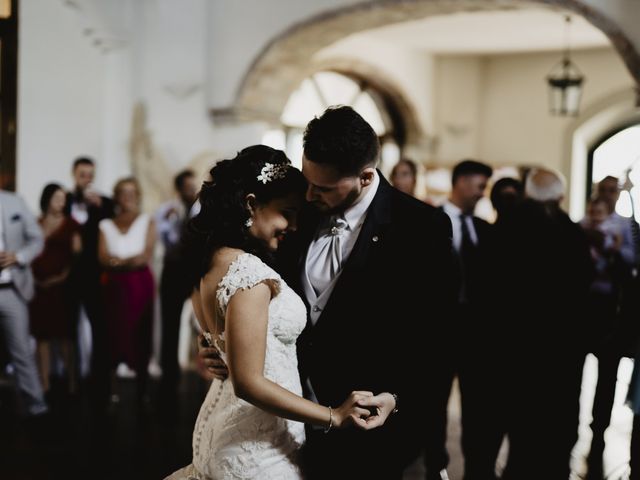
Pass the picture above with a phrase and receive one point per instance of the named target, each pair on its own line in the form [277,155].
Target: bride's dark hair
[223,213]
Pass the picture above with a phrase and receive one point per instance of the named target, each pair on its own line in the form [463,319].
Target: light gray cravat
[325,259]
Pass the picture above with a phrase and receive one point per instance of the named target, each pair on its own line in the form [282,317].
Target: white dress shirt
[355,217]
[454,213]
[170,219]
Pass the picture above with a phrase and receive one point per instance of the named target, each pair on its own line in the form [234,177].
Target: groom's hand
[210,357]
[383,403]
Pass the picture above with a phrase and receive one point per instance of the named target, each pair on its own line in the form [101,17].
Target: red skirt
[129,313]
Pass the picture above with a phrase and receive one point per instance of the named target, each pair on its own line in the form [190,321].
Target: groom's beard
[348,201]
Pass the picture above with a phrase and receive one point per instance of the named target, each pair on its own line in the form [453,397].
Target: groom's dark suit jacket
[381,329]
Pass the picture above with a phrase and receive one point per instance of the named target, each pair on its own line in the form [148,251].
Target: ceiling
[512,31]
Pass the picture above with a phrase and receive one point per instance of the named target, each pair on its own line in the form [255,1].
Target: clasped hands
[7,259]
[362,409]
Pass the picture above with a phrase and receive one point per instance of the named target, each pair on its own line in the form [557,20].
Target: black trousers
[634,463]
[608,348]
[544,407]
[472,355]
[174,290]
[343,454]
[92,301]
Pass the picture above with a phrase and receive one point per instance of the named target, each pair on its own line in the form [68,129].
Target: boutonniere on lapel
[15,217]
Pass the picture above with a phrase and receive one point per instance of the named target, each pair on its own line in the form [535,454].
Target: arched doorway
[287,60]
[284,62]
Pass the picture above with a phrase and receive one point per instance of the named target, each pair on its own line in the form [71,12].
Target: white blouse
[129,244]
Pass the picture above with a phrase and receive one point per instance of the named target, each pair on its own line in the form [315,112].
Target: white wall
[240,30]
[460,83]
[516,126]
[410,72]
[489,107]
[169,72]
[75,99]
[61,89]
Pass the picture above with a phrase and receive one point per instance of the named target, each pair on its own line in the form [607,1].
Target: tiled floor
[618,436]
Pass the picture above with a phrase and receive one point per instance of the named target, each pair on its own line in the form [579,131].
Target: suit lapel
[296,257]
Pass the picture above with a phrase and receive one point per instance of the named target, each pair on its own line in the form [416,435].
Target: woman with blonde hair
[125,248]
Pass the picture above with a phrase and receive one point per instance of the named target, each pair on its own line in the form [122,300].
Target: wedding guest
[125,249]
[171,219]
[613,326]
[505,196]
[633,399]
[52,311]
[404,176]
[472,351]
[88,208]
[543,274]
[20,242]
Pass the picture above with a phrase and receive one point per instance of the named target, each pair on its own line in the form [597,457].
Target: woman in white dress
[125,248]
[249,425]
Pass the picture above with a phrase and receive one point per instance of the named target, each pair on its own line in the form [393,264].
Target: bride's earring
[250,199]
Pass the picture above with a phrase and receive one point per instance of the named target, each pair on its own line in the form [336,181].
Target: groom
[375,269]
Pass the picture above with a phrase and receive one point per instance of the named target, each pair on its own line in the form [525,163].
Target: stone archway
[284,62]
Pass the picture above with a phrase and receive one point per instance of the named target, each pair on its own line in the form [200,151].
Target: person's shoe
[123,371]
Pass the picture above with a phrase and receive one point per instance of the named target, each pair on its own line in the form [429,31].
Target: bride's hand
[350,413]
[383,404]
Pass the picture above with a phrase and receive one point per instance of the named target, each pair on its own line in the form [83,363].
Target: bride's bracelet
[326,430]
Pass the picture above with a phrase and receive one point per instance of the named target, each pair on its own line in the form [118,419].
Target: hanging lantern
[565,84]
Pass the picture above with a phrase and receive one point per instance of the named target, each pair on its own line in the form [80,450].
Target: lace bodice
[233,439]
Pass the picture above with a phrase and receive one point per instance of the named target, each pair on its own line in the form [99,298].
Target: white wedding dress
[233,439]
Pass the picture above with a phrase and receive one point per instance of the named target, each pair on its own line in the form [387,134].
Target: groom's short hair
[340,137]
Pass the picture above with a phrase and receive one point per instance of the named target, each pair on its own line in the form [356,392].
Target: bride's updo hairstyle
[259,170]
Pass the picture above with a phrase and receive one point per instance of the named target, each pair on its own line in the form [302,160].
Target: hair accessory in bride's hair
[272,171]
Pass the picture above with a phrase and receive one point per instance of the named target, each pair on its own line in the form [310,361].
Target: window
[324,89]
[618,155]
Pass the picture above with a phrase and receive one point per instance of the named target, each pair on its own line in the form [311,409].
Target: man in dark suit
[544,273]
[171,219]
[359,248]
[470,353]
[88,208]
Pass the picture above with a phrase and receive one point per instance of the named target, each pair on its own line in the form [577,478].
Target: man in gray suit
[20,242]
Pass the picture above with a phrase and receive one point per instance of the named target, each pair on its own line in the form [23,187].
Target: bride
[249,425]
